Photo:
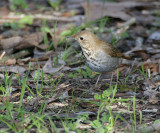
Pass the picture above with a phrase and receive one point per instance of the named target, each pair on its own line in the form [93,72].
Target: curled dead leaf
[10,42]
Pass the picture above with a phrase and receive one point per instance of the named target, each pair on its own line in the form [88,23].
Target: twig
[42,16]
[2,55]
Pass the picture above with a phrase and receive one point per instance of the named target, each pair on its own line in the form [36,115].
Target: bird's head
[86,39]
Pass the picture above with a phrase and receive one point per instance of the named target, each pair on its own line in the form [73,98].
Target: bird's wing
[108,48]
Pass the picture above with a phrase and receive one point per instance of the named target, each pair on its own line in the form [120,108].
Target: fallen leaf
[112,9]
[48,67]
[154,38]
[10,42]
[142,53]
[154,68]
[31,40]
[14,69]
[22,61]
[10,62]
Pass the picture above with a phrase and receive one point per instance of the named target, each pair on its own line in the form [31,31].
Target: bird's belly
[104,64]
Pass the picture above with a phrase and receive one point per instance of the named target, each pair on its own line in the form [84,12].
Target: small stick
[2,55]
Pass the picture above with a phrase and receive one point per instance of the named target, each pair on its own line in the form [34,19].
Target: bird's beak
[70,38]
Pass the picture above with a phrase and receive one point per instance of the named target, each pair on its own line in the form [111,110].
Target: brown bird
[100,56]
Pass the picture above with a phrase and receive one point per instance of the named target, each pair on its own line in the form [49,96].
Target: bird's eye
[81,38]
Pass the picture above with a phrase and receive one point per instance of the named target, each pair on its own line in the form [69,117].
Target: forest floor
[44,83]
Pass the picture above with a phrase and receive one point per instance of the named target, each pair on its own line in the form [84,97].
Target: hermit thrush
[100,56]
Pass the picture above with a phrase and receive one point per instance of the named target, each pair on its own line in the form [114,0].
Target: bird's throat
[87,52]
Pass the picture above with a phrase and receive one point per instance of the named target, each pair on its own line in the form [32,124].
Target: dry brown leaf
[10,42]
[152,66]
[112,9]
[153,99]
[30,41]
[142,53]
[10,62]
[49,68]
[14,69]
[22,61]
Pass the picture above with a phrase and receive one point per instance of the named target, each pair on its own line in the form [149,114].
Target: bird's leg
[97,80]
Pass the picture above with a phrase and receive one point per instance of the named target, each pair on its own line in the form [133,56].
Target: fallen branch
[41,16]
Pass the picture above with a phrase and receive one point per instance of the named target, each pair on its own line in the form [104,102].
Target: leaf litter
[57,77]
